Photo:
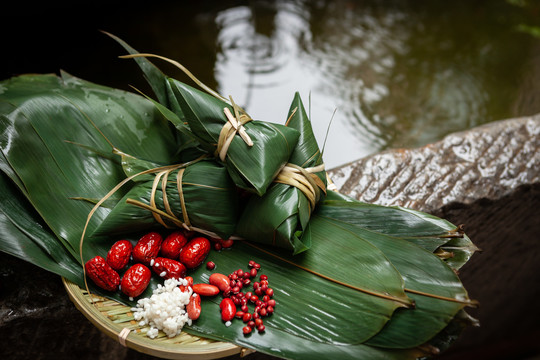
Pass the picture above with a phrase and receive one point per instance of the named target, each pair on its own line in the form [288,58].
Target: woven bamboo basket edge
[190,347]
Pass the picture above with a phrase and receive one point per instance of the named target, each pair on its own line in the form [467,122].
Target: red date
[194,252]
[136,280]
[169,268]
[147,248]
[102,274]
[119,254]
[171,246]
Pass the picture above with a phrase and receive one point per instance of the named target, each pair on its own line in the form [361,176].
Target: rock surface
[487,162]
[487,178]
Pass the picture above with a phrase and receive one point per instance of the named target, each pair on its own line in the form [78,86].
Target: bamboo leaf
[48,110]
[153,75]
[434,286]
[24,235]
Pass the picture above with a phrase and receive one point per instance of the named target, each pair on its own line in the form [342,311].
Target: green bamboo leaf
[153,75]
[434,286]
[24,235]
[425,230]
[315,317]
[48,116]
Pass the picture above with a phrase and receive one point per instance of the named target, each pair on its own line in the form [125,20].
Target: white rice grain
[165,309]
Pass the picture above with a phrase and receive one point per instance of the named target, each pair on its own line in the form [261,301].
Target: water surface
[384,74]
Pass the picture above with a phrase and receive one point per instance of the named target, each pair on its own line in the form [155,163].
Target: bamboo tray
[112,318]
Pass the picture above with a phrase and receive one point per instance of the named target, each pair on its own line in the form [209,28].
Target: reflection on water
[399,74]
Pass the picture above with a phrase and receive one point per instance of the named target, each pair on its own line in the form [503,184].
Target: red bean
[261,328]
[228,309]
[210,265]
[246,330]
[226,243]
[205,289]
[221,281]
[246,317]
[193,309]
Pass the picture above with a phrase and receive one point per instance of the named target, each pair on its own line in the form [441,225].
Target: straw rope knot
[304,179]
[167,216]
[234,125]
[122,336]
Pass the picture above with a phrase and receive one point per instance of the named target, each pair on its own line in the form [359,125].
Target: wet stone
[488,162]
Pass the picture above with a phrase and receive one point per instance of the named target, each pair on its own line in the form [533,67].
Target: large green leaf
[434,286]
[425,230]
[24,235]
[48,117]
[314,317]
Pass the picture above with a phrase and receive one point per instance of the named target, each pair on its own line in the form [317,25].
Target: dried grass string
[233,126]
[122,336]
[304,179]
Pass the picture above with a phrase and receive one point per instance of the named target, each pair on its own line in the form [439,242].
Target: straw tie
[160,215]
[122,336]
[304,179]
[234,125]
